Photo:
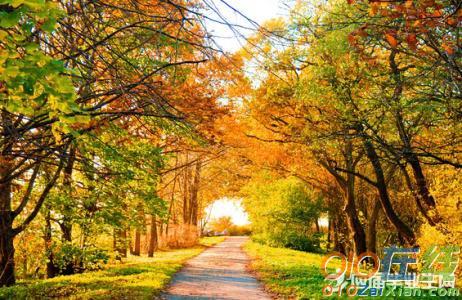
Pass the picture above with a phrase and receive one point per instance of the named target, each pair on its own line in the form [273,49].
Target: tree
[221,224]
[283,212]
[106,64]
[25,91]
[347,109]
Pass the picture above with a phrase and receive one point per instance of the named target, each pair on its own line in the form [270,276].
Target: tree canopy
[121,121]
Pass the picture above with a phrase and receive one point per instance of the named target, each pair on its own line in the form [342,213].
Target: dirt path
[217,273]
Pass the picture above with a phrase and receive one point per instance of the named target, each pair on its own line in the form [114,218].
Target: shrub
[303,243]
[290,239]
[89,259]
[240,230]
[283,212]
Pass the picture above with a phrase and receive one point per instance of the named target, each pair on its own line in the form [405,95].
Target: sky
[228,207]
[256,10]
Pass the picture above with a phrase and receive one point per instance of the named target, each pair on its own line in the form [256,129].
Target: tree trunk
[52,270]
[66,236]
[7,275]
[186,218]
[66,222]
[406,232]
[406,139]
[354,224]
[7,215]
[338,245]
[420,180]
[66,231]
[431,220]
[329,233]
[137,246]
[194,207]
[355,227]
[372,228]
[153,239]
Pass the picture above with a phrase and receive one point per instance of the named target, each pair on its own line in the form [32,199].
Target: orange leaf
[391,40]
[448,48]
[374,9]
[451,21]
[437,13]
[352,39]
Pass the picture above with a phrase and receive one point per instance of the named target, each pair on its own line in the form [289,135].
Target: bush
[290,239]
[240,230]
[303,243]
[81,260]
[283,212]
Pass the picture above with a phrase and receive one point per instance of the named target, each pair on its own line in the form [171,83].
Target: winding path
[217,273]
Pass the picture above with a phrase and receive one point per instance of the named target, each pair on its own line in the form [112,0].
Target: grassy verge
[288,273]
[137,278]
[296,275]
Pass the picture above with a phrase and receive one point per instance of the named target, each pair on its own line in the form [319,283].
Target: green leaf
[28,26]
[83,119]
[49,25]
[57,65]
[34,4]
[12,71]
[8,20]
[29,86]
[16,3]
[30,47]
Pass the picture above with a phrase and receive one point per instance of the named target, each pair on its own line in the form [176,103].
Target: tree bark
[137,246]
[339,246]
[406,232]
[355,227]
[431,220]
[52,270]
[420,180]
[66,222]
[354,224]
[194,207]
[406,138]
[347,187]
[7,275]
[329,233]
[372,228]
[153,241]
[7,215]
[186,216]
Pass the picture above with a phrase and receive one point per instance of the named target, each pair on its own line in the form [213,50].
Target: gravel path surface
[217,273]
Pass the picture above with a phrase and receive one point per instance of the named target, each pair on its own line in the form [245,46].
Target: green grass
[137,278]
[297,275]
[287,273]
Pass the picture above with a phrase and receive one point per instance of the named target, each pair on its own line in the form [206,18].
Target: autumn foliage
[120,122]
